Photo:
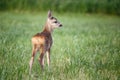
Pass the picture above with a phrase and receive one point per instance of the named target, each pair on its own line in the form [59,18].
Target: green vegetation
[87,47]
[84,6]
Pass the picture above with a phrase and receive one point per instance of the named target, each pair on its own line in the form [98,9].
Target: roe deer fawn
[43,41]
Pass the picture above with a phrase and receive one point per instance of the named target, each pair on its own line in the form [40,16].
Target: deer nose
[60,25]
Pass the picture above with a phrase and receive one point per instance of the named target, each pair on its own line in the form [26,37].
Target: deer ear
[49,14]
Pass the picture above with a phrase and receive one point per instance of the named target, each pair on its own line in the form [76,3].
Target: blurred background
[87,47]
[82,6]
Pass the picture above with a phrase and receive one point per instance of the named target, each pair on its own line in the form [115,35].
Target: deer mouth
[60,25]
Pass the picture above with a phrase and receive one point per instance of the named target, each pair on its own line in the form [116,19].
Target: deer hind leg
[41,57]
[34,50]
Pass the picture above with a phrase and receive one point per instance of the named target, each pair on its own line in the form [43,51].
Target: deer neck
[48,28]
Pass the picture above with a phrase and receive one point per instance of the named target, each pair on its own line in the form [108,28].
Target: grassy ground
[87,47]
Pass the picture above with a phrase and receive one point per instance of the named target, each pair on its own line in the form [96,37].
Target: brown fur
[43,41]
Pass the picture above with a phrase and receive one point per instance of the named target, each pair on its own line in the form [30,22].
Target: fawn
[43,41]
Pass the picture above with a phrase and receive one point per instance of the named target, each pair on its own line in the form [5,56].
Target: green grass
[84,6]
[87,47]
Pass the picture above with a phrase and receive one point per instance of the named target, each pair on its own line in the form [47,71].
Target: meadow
[87,47]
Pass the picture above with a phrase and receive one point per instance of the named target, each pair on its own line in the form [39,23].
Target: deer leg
[32,58]
[41,58]
[48,57]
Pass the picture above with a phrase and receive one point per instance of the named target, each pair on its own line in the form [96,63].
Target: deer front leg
[48,57]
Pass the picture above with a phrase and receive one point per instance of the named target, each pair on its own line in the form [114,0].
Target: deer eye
[55,22]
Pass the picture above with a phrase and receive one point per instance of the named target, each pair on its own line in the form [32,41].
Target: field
[87,47]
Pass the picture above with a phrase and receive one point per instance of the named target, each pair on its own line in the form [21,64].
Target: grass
[87,47]
[84,6]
